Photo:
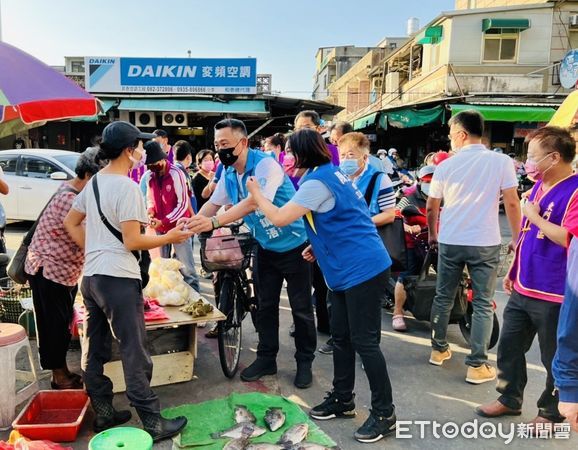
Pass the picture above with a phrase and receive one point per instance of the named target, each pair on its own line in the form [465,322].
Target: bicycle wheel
[229,336]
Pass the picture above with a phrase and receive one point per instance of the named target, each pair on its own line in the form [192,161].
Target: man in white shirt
[469,184]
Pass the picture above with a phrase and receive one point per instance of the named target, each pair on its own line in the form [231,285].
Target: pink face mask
[289,164]
[532,171]
[208,166]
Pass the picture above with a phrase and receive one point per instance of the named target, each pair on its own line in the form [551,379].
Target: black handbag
[392,234]
[143,257]
[16,266]
[421,290]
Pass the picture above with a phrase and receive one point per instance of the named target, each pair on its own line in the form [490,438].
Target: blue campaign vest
[270,237]
[362,184]
[344,240]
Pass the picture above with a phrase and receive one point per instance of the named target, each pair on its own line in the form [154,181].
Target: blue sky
[282,35]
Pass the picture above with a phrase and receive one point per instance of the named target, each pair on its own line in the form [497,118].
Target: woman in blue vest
[356,269]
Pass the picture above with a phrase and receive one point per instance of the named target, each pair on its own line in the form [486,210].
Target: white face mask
[138,163]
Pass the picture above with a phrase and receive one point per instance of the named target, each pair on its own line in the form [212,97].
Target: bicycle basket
[10,295]
[226,251]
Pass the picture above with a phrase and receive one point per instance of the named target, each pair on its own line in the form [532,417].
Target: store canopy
[365,121]
[409,118]
[193,106]
[430,35]
[509,113]
[513,24]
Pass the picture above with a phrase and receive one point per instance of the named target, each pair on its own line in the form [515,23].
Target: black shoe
[292,330]
[106,416]
[213,333]
[375,428]
[304,376]
[258,369]
[160,428]
[334,407]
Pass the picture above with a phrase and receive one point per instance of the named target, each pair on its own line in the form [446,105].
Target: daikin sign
[171,75]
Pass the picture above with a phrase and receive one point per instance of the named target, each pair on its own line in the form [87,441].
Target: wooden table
[173,361]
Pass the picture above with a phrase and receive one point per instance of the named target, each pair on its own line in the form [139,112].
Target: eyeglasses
[451,135]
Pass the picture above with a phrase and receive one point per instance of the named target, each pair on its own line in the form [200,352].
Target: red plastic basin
[53,415]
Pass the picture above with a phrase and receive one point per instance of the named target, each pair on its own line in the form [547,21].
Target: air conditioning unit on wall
[175,119]
[144,119]
[574,21]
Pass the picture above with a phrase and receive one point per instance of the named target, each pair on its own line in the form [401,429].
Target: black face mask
[227,157]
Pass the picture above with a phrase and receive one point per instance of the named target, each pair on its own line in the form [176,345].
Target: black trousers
[356,327]
[53,310]
[321,305]
[115,308]
[270,270]
[524,317]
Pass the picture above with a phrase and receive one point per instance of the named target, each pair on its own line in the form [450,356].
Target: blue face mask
[349,166]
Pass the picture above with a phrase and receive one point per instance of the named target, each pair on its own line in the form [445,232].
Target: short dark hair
[182,149]
[342,126]
[471,121]
[202,153]
[161,133]
[313,115]
[234,124]
[277,139]
[555,139]
[309,149]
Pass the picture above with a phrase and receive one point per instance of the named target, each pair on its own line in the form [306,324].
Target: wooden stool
[12,339]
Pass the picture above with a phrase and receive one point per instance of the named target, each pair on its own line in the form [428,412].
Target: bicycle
[230,256]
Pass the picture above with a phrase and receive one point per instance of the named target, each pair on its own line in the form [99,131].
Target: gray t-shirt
[121,201]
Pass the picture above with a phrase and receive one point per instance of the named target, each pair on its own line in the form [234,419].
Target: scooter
[421,290]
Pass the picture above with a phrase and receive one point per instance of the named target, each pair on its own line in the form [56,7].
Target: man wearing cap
[162,137]
[167,202]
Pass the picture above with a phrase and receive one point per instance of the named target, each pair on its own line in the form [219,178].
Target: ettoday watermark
[422,429]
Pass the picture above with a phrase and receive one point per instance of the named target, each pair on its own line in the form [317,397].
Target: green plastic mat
[218,415]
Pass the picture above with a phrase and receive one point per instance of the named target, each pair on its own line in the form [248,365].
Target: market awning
[193,106]
[513,24]
[410,117]
[430,35]
[365,121]
[509,113]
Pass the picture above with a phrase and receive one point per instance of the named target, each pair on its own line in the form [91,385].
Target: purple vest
[540,264]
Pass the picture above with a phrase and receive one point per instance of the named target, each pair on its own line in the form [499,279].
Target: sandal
[398,323]
[212,333]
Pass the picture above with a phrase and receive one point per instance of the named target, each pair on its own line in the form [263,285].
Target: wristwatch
[215,222]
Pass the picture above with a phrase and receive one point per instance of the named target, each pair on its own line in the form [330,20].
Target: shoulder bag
[392,234]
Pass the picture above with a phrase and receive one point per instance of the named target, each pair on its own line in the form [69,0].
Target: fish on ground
[243,429]
[274,418]
[294,435]
[242,414]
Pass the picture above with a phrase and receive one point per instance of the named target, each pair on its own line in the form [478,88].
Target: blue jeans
[185,255]
[482,263]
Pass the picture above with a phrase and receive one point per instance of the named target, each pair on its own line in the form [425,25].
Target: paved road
[421,391]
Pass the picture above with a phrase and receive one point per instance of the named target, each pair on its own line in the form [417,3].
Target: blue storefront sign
[171,75]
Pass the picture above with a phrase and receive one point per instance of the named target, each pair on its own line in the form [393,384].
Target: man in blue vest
[279,253]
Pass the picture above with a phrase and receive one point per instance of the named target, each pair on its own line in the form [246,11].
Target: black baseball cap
[119,135]
[161,133]
[155,152]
